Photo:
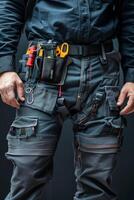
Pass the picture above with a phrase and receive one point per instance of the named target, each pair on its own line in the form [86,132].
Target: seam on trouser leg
[31,146]
[107,144]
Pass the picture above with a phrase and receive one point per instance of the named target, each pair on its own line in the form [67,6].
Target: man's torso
[75,21]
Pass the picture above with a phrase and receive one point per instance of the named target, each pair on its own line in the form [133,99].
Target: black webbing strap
[62,108]
[90,50]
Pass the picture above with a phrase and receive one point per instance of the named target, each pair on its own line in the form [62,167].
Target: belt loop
[81,50]
[103,57]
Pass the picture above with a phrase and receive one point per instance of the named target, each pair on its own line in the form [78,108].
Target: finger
[3,98]
[15,103]
[10,97]
[20,90]
[129,107]
[122,97]
[132,111]
[12,100]
[10,103]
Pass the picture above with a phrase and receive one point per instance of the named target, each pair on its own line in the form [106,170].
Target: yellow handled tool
[63,50]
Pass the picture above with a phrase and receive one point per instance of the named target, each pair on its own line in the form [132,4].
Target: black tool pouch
[60,65]
[52,70]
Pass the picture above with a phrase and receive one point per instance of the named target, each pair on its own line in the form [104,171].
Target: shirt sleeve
[12,18]
[126,39]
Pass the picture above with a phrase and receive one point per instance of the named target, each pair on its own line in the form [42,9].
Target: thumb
[20,90]
[122,97]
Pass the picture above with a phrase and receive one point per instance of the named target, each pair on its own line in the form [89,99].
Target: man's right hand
[10,83]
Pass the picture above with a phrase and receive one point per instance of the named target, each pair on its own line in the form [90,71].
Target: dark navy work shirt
[73,21]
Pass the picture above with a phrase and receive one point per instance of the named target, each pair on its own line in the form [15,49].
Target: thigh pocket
[41,98]
[101,104]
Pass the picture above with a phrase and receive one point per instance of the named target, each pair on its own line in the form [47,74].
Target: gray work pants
[89,98]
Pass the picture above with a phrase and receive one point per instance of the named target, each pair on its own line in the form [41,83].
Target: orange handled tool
[31,56]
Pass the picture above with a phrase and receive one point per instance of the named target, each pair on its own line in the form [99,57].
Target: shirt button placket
[84,19]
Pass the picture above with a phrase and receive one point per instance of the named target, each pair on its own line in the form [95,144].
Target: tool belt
[47,61]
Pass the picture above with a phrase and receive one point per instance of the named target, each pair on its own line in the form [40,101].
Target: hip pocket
[40,98]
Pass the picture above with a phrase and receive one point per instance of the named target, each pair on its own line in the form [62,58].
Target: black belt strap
[84,50]
[90,50]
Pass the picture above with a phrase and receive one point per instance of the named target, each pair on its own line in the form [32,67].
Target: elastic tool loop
[103,57]
[59,90]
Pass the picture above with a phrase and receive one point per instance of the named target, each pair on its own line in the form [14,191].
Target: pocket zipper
[92,112]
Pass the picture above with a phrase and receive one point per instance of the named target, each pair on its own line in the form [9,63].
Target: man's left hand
[127,91]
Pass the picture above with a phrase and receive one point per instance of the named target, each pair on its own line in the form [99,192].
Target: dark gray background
[63,184]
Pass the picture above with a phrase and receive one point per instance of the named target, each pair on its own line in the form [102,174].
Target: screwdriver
[31,58]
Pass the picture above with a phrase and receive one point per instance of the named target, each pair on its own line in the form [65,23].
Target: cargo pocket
[24,138]
[89,112]
[93,104]
[21,128]
[40,98]
[21,131]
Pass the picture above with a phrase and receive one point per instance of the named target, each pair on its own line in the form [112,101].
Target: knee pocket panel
[23,138]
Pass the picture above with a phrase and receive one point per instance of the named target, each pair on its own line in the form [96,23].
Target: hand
[127,91]
[9,82]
